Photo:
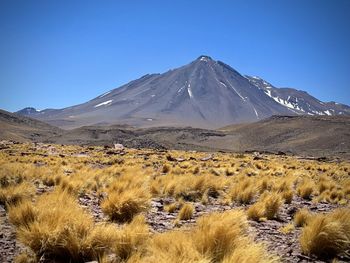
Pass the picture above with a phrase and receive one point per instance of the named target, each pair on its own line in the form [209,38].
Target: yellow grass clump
[218,237]
[327,236]
[306,189]
[122,206]
[13,194]
[266,207]
[131,237]
[186,212]
[60,229]
[286,229]
[243,191]
[171,208]
[302,217]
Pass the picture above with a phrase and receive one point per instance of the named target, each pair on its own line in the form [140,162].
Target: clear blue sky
[55,54]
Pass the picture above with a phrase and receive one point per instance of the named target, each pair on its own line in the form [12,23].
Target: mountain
[301,135]
[204,93]
[22,129]
[299,101]
[27,111]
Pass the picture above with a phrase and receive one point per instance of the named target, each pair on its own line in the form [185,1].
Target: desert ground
[114,204]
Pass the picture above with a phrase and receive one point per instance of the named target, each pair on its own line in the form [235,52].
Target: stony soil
[286,246]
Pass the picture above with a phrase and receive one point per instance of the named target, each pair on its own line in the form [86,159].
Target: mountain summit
[204,93]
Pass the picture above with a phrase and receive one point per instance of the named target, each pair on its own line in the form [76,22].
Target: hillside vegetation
[78,204]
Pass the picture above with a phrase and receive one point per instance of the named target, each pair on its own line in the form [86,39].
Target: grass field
[78,204]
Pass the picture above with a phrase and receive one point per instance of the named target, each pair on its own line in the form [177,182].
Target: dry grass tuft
[13,194]
[22,214]
[243,191]
[286,229]
[171,208]
[186,212]
[25,257]
[266,207]
[287,195]
[218,237]
[302,217]
[60,229]
[122,206]
[306,189]
[218,234]
[327,236]
[252,253]
[130,238]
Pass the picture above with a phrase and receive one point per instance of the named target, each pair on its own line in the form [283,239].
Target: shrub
[327,236]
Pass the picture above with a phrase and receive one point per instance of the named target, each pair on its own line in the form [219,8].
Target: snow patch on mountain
[189,90]
[108,102]
[285,103]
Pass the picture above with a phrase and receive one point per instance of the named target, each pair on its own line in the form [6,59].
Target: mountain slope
[20,128]
[299,101]
[311,135]
[205,94]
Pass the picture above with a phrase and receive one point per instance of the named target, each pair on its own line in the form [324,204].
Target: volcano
[204,93]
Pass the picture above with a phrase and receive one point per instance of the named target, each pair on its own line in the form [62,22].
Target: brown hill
[316,135]
[301,135]
[22,129]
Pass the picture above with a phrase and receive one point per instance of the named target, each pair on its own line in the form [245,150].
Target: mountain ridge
[204,93]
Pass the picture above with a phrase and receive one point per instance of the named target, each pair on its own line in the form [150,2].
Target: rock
[207,158]
[118,146]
